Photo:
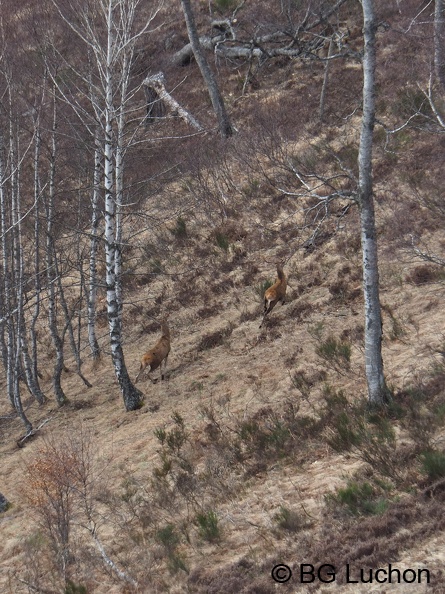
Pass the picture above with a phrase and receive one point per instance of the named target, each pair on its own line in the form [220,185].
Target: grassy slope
[250,372]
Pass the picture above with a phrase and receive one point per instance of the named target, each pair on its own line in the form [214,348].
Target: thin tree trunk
[225,127]
[22,338]
[439,42]
[18,270]
[377,390]
[68,323]
[52,276]
[131,395]
[7,271]
[37,271]
[325,80]
[94,243]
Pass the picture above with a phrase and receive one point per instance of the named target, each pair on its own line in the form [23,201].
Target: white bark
[110,38]
[157,83]
[377,391]
[17,264]
[6,263]
[94,242]
[439,42]
[113,180]
[51,273]
[37,271]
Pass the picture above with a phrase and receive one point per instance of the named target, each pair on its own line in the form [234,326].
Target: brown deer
[158,355]
[275,293]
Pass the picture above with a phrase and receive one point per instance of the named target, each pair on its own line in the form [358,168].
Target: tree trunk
[51,274]
[37,271]
[133,398]
[7,291]
[439,42]
[155,87]
[225,127]
[377,390]
[17,264]
[94,242]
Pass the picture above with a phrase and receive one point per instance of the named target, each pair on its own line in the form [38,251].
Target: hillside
[258,449]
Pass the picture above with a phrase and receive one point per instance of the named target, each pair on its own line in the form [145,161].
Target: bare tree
[94,244]
[377,390]
[439,42]
[51,268]
[109,34]
[225,127]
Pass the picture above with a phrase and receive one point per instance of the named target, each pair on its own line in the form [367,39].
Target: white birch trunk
[439,42]
[94,243]
[37,271]
[51,275]
[377,391]
[6,263]
[18,272]
[131,395]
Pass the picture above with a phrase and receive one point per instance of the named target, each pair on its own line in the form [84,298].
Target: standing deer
[158,355]
[275,293]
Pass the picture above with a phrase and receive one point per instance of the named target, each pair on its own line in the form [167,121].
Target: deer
[158,355]
[275,293]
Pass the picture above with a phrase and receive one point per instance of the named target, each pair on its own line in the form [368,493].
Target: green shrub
[168,537]
[433,464]
[222,241]
[359,499]
[334,351]
[343,433]
[261,288]
[72,588]
[180,229]
[289,520]
[176,437]
[170,540]
[207,523]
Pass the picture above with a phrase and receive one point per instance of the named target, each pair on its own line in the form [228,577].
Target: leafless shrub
[57,485]
[214,339]
[208,311]
[423,274]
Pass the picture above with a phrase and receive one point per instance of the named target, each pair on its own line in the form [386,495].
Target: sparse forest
[160,163]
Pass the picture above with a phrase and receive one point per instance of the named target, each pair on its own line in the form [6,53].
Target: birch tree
[94,244]
[439,42]
[109,91]
[225,127]
[51,268]
[377,390]
[6,301]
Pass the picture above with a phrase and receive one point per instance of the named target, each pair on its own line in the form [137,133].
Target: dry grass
[224,471]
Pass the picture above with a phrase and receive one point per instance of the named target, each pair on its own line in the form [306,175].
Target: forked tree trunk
[377,390]
[132,397]
[225,127]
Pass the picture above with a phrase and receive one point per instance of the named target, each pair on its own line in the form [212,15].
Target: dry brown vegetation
[259,448]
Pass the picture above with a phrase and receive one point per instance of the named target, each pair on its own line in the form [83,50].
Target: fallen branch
[156,84]
[121,574]
[31,433]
